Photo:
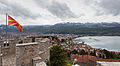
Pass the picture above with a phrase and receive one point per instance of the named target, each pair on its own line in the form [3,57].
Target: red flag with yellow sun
[13,22]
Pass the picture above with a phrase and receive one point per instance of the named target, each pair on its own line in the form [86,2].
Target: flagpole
[6,28]
[5,40]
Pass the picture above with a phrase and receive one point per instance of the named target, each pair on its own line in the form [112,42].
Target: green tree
[107,53]
[75,51]
[57,56]
[82,52]
[62,40]
[33,39]
[93,53]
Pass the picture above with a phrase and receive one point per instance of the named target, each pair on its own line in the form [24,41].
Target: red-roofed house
[85,60]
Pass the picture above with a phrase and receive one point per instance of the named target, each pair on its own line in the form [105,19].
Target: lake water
[107,42]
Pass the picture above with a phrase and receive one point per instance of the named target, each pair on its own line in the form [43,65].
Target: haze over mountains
[70,28]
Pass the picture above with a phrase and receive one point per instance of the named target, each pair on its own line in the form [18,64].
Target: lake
[107,42]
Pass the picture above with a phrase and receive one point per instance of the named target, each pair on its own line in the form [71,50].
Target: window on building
[20,42]
[4,44]
[7,44]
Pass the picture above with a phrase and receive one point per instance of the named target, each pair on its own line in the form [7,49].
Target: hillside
[70,28]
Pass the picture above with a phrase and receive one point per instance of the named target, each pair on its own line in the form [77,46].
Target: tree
[75,51]
[57,56]
[33,39]
[107,53]
[82,52]
[93,53]
[62,40]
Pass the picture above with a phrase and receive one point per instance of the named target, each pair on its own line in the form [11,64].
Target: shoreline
[95,42]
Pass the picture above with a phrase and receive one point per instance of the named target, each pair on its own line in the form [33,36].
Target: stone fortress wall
[27,53]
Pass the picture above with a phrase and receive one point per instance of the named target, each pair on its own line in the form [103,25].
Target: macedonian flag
[13,22]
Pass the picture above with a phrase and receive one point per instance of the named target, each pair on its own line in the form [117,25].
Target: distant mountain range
[70,28]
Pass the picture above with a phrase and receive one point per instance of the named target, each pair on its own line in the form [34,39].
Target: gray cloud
[15,9]
[60,10]
[110,7]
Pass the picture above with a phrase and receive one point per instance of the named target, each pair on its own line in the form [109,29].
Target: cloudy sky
[49,12]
